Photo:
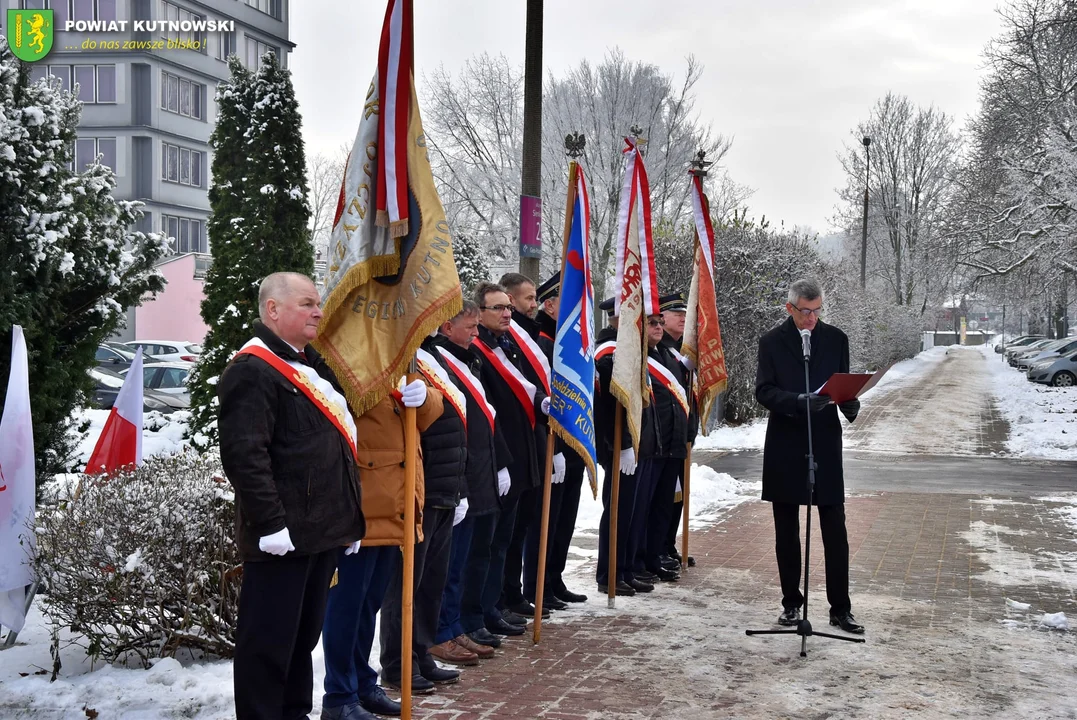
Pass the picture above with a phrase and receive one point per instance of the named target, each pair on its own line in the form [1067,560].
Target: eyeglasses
[496,308]
[656,322]
[808,312]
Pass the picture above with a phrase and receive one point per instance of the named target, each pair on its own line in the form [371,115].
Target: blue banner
[573,373]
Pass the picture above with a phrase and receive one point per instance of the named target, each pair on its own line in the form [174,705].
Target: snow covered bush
[142,564]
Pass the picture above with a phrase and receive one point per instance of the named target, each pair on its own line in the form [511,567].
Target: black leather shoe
[847,623]
[666,575]
[526,609]
[379,703]
[440,675]
[419,684]
[646,576]
[550,602]
[640,586]
[691,561]
[673,553]
[622,589]
[484,637]
[566,595]
[512,618]
[500,627]
[668,563]
[789,616]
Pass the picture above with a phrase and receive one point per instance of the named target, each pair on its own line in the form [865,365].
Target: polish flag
[120,443]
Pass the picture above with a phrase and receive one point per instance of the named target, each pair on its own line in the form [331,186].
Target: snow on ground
[1043,419]
[749,436]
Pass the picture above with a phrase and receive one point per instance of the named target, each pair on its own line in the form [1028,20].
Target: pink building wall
[175,313]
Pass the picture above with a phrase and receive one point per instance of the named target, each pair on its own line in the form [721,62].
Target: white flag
[16,489]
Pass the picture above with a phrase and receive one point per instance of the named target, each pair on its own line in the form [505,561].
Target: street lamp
[864,234]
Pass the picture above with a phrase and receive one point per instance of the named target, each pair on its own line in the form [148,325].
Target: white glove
[461,512]
[279,543]
[504,482]
[353,548]
[687,362]
[628,461]
[558,468]
[546,406]
[414,394]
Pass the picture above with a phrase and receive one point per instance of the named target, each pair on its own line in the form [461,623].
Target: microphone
[805,340]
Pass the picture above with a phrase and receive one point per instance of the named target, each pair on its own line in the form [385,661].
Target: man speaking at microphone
[779,387]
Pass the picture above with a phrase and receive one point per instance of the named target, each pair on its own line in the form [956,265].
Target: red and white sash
[436,374]
[604,349]
[662,374]
[471,383]
[533,353]
[521,387]
[317,389]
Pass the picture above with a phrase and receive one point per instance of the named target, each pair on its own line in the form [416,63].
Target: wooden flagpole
[615,496]
[685,484]
[411,455]
[547,484]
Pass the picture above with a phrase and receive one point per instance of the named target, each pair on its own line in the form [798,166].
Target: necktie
[302,357]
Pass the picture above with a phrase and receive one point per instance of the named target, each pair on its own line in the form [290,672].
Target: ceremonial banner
[573,374]
[120,443]
[635,291]
[702,341]
[387,287]
[17,480]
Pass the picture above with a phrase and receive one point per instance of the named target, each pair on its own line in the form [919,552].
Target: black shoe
[646,576]
[379,703]
[666,575]
[526,609]
[484,637]
[440,675]
[419,684]
[567,596]
[789,616]
[847,623]
[550,602]
[668,563]
[513,619]
[500,627]
[640,586]
[691,561]
[675,555]
[622,589]
[351,711]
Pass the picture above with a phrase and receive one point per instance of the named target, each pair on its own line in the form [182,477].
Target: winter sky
[788,79]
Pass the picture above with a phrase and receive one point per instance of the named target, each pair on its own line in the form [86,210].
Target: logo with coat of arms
[30,33]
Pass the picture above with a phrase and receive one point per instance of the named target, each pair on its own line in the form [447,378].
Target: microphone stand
[804,628]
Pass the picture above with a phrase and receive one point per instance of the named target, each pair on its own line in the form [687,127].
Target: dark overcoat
[779,379]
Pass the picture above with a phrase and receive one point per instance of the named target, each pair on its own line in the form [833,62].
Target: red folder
[846,386]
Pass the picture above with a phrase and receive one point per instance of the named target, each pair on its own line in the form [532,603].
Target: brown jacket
[381,467]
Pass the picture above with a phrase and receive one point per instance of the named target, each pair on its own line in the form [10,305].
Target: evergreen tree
[471,262]
[71,263]
[259,219]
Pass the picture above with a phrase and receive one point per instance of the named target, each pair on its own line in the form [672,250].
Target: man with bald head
[288,443]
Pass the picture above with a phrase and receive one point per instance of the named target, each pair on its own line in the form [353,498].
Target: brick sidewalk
[910,553]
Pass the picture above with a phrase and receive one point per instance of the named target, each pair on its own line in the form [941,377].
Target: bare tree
[324,175]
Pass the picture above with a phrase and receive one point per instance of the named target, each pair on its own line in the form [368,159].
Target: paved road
[875,472]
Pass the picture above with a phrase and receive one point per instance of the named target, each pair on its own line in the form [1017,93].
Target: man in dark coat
[779,387]
[297,495]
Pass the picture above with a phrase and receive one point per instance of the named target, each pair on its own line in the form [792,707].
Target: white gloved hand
[414,394]
[546,406]
[504,482]
[353,548]
[558,469]
[461,512]
[628,461]
[279,543]
[687,362]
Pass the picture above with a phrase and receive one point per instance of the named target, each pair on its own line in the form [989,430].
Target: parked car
[1060,371]
[166,377]
[1051,351]
[1013,353]
[110,357]
[1020,341]
[168,349]
[108,386]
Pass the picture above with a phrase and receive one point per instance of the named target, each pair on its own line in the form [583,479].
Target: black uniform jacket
[487,451]
[444,446]
[779,380]
[669,424]
[547,327]
[288,463]
[515,427]
[542,421]
[689,390]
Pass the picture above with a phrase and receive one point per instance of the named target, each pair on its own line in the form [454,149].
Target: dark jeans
[449,625]
[661,511]
[476,571]
[281,608]
[431,568]
[528,514]
[566,525]
[625,501]
[348,632]
[499,550]
[835,552]
[647,476]
[531,542]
